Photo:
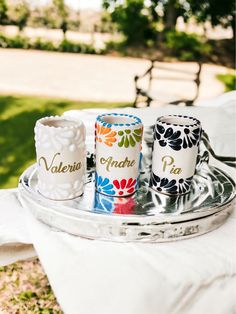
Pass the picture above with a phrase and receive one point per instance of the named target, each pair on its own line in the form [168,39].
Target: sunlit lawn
[18,115]
[24,289]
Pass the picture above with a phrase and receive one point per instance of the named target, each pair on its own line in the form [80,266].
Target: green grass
[18,115]
[24,288]
[229,81]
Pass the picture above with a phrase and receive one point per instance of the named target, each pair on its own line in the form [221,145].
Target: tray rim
[141,219]
[152,233]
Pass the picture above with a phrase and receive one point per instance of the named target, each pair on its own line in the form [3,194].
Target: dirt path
[84,77]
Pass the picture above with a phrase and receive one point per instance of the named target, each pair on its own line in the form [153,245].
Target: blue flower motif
[103,204]
[103,185]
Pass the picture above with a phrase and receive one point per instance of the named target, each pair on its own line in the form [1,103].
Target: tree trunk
[233,22]
[64,28]
[170,15]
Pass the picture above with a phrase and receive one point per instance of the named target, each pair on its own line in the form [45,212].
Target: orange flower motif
[105,135]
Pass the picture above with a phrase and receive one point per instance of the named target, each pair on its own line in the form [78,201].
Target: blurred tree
[137,18]
[132,19]
[63,13]
[44,17]
[214,11]
[107,26]
[172,9]
[3,12]
[20,14]
[47,16]
[74,21]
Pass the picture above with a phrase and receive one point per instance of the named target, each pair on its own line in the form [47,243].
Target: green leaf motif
[129,138]
[121,143]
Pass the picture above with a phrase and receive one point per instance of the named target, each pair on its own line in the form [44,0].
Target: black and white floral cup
[175,150]
[61,159]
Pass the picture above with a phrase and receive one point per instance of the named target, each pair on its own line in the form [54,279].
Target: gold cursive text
[110,162]
[168,164]
[60,168]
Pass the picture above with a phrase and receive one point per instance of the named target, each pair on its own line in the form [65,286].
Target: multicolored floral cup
[61,159]
[118,152]
[175,150]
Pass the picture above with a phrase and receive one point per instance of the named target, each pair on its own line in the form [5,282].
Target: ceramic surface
[118,151]
[60,150]
[175,150]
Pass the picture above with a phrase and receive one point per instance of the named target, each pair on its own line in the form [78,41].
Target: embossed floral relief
[61,190]
[57,139]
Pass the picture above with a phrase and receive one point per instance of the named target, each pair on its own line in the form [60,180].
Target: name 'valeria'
[59,168]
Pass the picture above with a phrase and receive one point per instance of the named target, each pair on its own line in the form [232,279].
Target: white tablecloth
[94,277]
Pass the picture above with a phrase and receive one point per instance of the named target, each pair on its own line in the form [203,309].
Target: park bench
[168,83]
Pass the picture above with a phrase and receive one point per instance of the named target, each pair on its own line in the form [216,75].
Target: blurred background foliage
[145,28]
[166,12]
[229,80]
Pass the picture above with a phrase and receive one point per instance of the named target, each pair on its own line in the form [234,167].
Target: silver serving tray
[147,216]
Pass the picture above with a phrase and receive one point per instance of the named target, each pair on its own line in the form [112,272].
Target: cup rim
[77,122]
[136,119]
[195,121]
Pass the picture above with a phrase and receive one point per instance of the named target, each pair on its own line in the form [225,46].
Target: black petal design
[160,128]
[162,143]
[163,185]
[176,135]
[185,138]
[176,144]
[154,180]
[168,132]
[184,185]
[168,137]
[191,138]
[186,131]
[170,186]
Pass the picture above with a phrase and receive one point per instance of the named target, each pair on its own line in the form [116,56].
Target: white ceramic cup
[118,151]
[175,150]
[61,159]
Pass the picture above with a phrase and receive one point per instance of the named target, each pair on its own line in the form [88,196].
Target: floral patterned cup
[60,150]
[118,151]
[175,150]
